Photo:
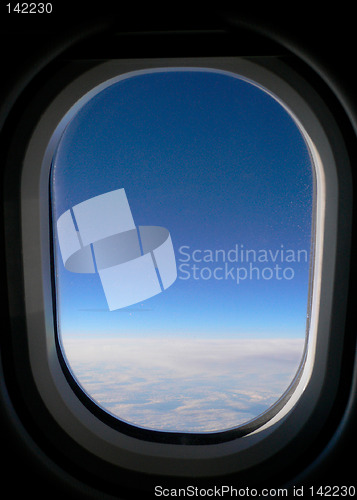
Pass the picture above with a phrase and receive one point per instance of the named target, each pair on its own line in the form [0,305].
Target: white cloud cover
[182,384]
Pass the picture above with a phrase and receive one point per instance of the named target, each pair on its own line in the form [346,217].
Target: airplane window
[182,211]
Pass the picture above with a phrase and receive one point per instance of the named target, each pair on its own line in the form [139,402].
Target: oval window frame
[70,413]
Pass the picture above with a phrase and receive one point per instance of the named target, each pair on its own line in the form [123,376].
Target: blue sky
[219,163]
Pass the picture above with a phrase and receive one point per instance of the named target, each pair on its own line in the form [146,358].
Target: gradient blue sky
[218,162]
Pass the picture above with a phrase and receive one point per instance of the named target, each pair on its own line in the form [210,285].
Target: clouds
[183,384]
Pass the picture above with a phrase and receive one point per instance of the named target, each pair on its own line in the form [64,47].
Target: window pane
[182,208]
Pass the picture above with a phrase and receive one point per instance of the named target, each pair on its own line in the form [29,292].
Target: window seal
[181,437]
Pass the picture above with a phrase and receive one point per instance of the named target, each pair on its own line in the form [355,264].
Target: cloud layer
[183,384]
